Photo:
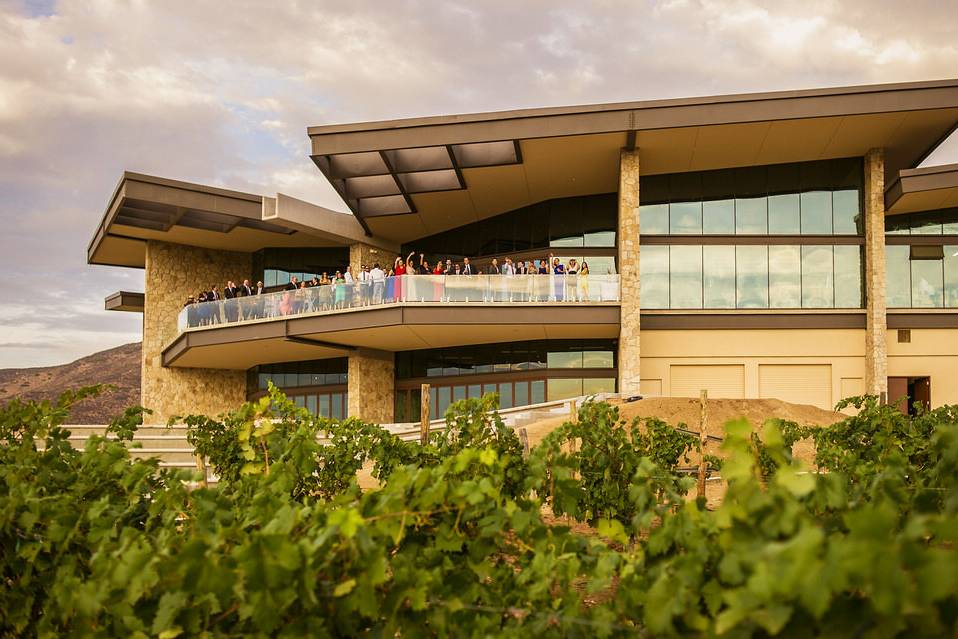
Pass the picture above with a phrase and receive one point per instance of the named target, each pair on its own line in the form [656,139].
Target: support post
[424,415]
[628,268]
[573,411]
[703,438]
[876,355]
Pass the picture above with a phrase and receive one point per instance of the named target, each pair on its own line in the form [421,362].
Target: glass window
[488,388]
[305,379]
[784,276]
[751,215]
[783,214]
[927,285]
[654,276]
[522,393]
[597,359]
[654,219]
[950,227]
[444,394]
[685,277]
[719,276]
[538,389]
[458,393]
[336,405]
[505,395]
[817,213]
[300,401]
[685,218]
[898,276]
[263,381]
[596,385]
[311,403]
[848,276]
[846,212]
[601,265]
[564,388]
[475,391]
[898,225]
[817,277]
[564,359]
[951,276]
[718,217]
[926,224]
[573,240]
[751,276]
[324,405]
[600,239]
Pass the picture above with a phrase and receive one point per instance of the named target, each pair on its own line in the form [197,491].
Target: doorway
[916,391]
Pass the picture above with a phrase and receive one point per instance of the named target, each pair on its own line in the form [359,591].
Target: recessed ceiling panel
[426,181]
[485,153]
[348,165]
[387,205]
[371,186]
[427,158]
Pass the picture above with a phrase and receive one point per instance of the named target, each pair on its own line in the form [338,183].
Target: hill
[119,366]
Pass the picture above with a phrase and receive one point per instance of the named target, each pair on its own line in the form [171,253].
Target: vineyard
[595,532]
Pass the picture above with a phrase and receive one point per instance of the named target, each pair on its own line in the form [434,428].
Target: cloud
[222,94]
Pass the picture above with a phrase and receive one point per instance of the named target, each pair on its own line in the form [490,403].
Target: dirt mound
[685,410]
[119,366]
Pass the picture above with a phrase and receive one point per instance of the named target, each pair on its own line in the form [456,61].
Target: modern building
[763,245]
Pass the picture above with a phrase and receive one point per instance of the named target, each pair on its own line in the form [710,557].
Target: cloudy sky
[222,92]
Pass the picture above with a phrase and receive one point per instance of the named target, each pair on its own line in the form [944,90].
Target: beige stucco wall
[836,355]
[372,386]
[932,352]
[173,272]
[628,266]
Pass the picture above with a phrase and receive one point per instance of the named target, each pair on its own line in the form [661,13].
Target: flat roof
[413,177]
[924,189]
[146,207]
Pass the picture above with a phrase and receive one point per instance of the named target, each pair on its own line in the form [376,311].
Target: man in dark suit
[293,284]
[213,295]
[231,305]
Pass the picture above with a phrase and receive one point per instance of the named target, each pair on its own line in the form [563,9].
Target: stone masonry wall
[360,254]
[371,386]
[876,356]
[172,273]
[628,241]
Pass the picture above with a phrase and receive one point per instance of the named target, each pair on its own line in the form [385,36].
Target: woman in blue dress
[559,271]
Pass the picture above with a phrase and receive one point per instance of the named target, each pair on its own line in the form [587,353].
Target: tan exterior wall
[628,265]
[932,352]
[876,376]
[173,272]
[360,254]
[813,366]
[372,386]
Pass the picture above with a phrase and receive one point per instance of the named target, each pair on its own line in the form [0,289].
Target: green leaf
[344,588]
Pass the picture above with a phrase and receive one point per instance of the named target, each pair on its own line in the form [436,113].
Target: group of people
[505,281]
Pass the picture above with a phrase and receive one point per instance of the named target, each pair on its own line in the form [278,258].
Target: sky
[221,93]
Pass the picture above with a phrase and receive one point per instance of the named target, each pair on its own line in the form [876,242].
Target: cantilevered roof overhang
[409,178]
[394,328]
[145,207]
[925,189]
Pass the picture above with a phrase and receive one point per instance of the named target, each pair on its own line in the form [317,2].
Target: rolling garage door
[797,383]
[720,380]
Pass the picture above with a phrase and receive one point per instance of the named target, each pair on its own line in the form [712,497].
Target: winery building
[762,245]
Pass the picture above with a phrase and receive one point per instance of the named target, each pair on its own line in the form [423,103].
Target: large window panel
[685,218]
[718,217]
[751,215]
[654,219]
[784,277]
[817,213]
[848,276]
[818,289]
[927,284]
[951,276]
[898,276]
[719,276]
[654,276]
[784,214]
[685,277]
[846,212]
[751,277]
[564,389]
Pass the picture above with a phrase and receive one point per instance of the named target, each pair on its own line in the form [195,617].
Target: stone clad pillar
[876,356]
[371,385]
[360,254]
[627,239]
[172,273]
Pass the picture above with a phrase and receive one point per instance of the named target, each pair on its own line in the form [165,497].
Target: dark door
[919,390]
[898,393]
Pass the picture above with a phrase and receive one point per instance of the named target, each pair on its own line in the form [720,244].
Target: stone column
[173,272]
[360,254]
[371,386]
[628,266]
[876,356]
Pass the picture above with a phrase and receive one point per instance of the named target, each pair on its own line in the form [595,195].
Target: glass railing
[437,289]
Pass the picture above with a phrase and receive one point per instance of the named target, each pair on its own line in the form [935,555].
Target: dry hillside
[119,366]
